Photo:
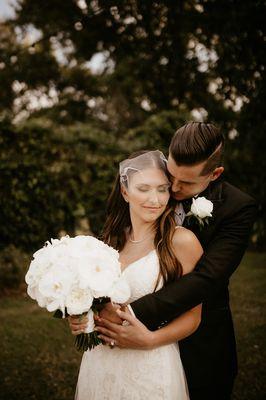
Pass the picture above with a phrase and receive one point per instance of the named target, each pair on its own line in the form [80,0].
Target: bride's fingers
[75,328]
[80,327]
[75,333]
[81,324]
[76,320]
[78,324]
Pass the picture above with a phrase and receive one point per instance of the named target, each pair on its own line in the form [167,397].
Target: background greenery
[65,125]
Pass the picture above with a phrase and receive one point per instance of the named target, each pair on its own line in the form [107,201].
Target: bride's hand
[77,324]
[108,312]
[132,334]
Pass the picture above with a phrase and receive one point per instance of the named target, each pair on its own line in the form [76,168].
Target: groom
[208,355]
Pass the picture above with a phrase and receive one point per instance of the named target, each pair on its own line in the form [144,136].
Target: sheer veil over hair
[143,161]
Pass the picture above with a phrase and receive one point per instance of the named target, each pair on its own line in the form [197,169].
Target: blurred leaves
[51,178]
[75,119]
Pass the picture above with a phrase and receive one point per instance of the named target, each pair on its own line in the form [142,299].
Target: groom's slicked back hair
[196,142]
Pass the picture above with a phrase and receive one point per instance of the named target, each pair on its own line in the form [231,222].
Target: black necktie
[186,204]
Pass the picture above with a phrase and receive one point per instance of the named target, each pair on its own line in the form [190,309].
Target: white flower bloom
[78,300]
[56,283]
[120,291]
[35,272]
[201,207]
[98,272]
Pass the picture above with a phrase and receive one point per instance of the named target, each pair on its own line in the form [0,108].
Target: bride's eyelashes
[161,189]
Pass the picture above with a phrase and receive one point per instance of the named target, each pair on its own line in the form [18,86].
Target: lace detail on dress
[124,374]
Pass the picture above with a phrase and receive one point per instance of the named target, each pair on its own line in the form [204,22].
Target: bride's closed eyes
[161,188]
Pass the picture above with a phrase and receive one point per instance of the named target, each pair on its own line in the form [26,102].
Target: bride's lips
[152,208]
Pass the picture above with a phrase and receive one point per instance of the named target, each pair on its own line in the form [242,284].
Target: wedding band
[112,344]
[125,323]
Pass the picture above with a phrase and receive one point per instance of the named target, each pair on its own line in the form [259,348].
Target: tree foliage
[162,60]
[52,180]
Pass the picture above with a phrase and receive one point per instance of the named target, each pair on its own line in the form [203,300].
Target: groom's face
[187,180]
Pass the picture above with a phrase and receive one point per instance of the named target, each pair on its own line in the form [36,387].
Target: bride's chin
[151,218]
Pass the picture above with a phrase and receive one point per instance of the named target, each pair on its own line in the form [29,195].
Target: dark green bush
[50,179]
[13,266]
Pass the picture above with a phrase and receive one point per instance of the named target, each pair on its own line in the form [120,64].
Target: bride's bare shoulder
[184,237]
[187,248]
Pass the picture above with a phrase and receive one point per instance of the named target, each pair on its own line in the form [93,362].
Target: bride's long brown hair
[118,222]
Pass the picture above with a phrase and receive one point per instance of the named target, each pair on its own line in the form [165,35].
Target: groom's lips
[175,195]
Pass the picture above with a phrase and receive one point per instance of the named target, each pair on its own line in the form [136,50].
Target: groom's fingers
[106,332]
[110,325]
[109,314]
[109,341]
[128,317]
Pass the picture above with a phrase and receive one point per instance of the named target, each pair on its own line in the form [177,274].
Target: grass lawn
[38,359]
[248,300]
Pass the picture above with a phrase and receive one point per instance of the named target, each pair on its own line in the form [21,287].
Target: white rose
[36,270]
[98,272]
[78,301]
[56,283]
[120,291]
[35,294]
[201,207]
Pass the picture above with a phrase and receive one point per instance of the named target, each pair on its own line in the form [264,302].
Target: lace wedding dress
[125,374]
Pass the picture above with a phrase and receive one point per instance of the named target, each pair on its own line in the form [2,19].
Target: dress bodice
[142,275]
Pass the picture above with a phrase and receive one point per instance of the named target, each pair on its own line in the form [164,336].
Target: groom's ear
[216,173]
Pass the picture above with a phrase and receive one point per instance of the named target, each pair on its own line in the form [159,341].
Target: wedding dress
[127,374]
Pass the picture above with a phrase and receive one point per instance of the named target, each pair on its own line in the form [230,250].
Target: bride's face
[147,194]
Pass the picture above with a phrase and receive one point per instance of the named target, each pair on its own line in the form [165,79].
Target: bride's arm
[188,251]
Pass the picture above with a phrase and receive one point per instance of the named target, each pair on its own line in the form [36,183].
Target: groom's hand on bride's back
[109,312]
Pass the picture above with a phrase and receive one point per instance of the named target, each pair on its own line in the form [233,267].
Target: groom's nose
[175,186]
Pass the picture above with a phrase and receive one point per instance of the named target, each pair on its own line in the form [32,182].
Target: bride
[141,226]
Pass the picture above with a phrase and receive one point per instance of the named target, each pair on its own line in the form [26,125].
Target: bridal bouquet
[72,276]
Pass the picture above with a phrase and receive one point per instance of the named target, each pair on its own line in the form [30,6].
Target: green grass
[248,300]
[38,359]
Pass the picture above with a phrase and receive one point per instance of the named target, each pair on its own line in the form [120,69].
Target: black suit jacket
[208,355]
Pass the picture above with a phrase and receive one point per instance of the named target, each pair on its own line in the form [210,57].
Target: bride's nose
[154,199]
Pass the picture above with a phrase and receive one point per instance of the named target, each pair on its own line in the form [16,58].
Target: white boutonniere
[201,210]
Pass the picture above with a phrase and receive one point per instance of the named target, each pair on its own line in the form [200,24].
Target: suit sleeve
[221,258]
